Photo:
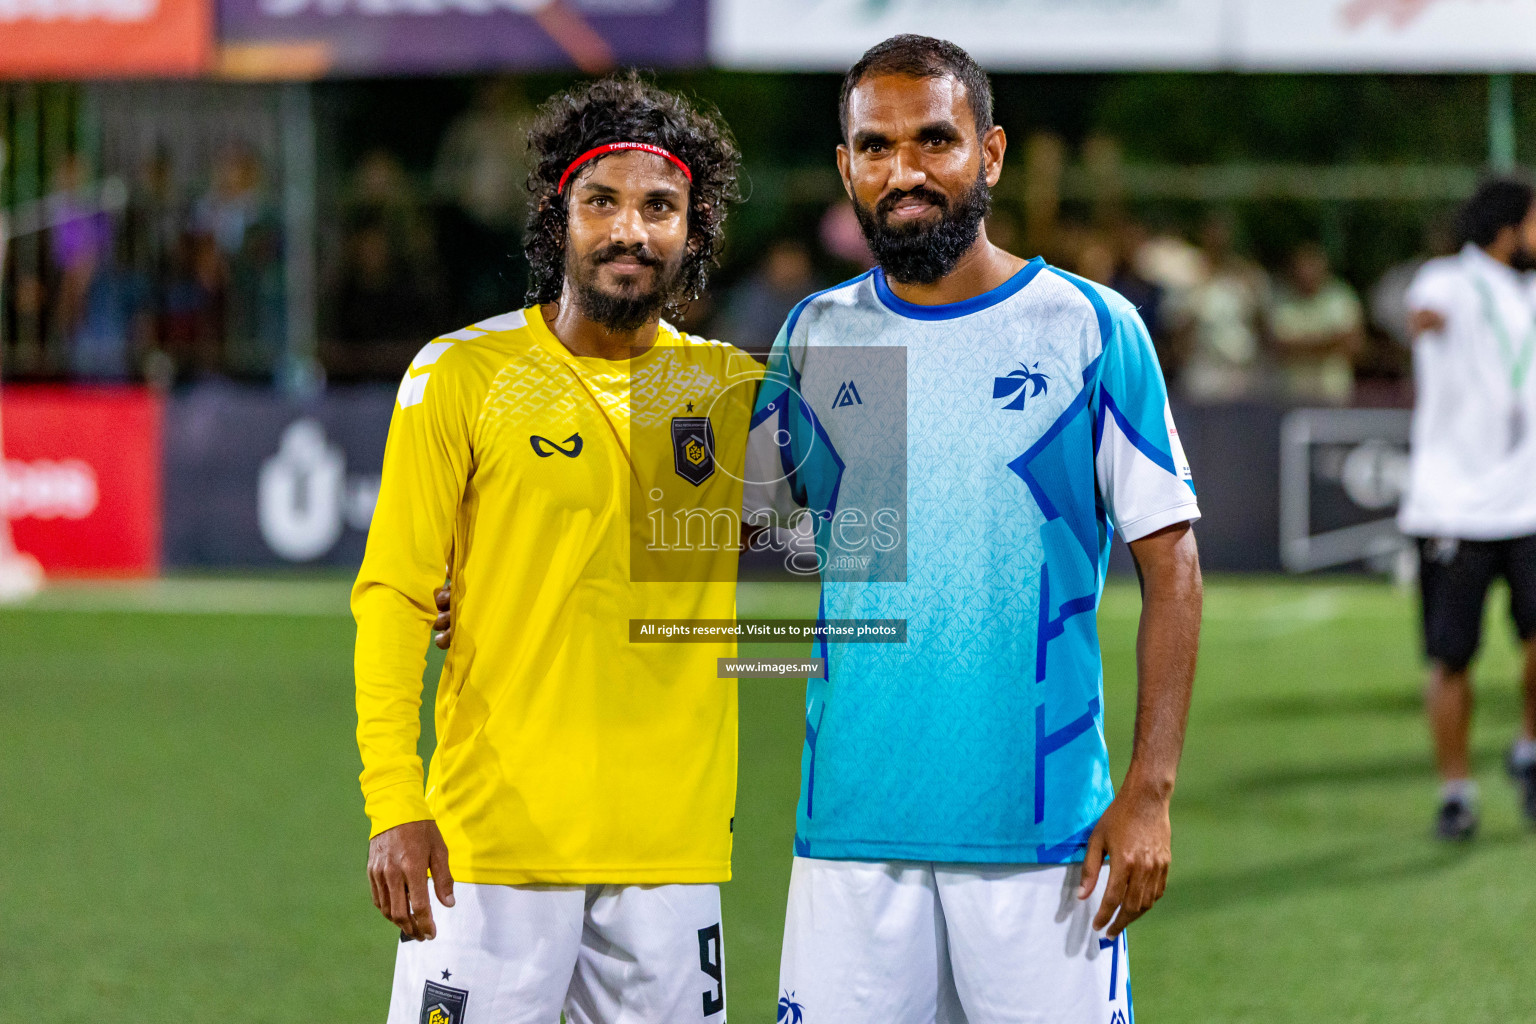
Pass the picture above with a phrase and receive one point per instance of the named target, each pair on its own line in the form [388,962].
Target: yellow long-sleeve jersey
[556,491]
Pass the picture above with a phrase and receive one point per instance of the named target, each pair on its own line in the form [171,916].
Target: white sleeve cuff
[1187,512]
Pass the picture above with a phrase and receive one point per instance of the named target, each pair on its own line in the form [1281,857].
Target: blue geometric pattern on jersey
[1047,743]
[1053,626]
[1139,434]
[1146,447]
[981,739]
[810,458]
[810,773]
[1055,482]
[1061,853]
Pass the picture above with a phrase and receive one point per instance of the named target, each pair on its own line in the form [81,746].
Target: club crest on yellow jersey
[693,448]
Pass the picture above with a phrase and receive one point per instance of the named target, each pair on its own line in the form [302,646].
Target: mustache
[888,201]
[616,250]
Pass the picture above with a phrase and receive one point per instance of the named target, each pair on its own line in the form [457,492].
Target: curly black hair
[1497,204]
[626,108]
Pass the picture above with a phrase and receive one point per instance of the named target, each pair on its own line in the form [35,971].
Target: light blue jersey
[966,465]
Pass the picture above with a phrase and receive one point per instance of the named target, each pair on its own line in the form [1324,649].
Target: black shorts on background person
[1454,580]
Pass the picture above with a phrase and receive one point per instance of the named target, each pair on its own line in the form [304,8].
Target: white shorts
[911,943]
[603,954]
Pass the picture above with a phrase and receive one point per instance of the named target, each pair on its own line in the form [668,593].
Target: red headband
[614,147]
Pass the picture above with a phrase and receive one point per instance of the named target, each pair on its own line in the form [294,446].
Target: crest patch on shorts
[441,1004]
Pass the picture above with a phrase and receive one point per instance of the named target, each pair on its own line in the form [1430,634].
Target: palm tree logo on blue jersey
[1025,383]
[790,1012]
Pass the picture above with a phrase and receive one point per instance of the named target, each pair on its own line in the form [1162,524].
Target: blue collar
[975,304]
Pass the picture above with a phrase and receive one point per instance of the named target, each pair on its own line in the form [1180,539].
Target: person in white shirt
[1471,496]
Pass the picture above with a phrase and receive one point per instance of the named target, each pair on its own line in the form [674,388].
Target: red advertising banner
[81,477]
[104,38]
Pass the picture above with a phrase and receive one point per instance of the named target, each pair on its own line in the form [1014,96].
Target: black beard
[1523,260]
[923,253]
[620,311]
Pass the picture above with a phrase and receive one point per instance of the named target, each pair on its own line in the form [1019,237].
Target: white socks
[1522,755]
[1462,790]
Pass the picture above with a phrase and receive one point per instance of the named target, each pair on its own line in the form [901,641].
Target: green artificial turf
[183,839]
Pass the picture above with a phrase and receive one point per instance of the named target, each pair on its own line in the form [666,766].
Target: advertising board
[104,38]
[287,38]
[81,480]
[1001,34]
[254,480]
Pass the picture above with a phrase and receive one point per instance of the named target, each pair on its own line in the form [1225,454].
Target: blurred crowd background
[157,233]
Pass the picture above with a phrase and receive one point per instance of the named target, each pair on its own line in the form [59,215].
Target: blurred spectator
[190,322]
[109,329]
[234,201]
[158,214]
[1389,296]
[102,305]
[1382,370]
[1317,326]
[384,309]
[481,176]
[155,222]
[388,297]
[1170,262]
[381,187]
[256,320]
[238,216]
[1220,320]
[756,307]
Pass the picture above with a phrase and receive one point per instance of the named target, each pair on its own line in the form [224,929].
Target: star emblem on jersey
[847,394]
[543,447]
[441,1004]
[790,1012]
[693,448]
[1023,384]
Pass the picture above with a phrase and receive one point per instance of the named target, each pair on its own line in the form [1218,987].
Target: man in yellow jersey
[577,815]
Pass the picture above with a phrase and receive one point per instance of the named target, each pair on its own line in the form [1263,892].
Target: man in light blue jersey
[967,430]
